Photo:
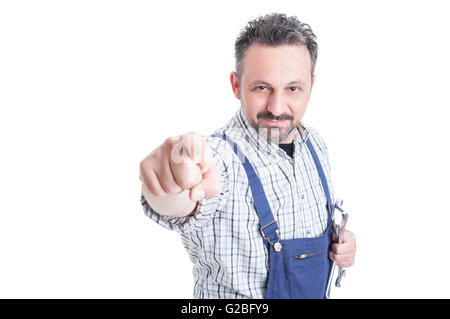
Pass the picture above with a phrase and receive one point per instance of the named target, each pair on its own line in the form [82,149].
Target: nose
[276,103]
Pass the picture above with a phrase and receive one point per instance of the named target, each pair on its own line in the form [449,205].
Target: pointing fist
[181,163]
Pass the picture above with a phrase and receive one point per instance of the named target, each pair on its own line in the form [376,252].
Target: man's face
[275,88]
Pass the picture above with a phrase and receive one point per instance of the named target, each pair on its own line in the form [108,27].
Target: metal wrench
[338,230]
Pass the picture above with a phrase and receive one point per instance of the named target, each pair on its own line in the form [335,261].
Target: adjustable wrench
[338,229]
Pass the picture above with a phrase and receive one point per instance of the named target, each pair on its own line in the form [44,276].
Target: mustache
[270,116]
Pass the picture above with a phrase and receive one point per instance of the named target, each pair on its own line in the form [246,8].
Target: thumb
[210,184]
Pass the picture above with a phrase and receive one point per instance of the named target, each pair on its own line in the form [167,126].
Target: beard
[274,134]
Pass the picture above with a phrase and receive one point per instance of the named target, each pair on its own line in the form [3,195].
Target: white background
[89,88]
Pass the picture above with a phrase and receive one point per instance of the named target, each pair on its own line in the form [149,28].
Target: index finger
[194,145]
[187,149]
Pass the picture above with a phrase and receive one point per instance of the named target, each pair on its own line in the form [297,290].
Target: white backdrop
[89,88]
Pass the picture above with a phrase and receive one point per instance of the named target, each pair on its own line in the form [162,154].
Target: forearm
[177,205]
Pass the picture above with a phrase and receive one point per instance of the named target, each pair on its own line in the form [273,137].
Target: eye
[261,87]
[294,89]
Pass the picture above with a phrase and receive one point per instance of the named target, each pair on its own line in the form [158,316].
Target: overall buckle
[276,246]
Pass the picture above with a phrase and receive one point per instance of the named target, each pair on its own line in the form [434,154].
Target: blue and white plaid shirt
[222,235]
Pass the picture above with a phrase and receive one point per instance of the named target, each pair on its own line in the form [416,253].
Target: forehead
[280,63]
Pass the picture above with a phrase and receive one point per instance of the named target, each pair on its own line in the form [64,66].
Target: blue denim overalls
[299,267]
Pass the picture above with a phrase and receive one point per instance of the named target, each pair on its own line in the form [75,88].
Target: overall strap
[322,176]
[269,226]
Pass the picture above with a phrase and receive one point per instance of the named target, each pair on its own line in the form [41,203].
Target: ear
[235,85]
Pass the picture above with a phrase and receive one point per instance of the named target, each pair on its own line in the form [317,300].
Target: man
[253,203]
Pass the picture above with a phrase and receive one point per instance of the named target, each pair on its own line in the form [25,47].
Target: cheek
[255,103]
[299,103]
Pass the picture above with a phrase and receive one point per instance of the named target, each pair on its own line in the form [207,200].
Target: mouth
[274,122]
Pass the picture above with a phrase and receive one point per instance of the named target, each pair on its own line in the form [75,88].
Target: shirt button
[308,232]
[303,196]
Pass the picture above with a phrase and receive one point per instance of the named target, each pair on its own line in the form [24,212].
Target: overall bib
[299,267]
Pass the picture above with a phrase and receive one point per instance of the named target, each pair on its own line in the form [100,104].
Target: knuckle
[145,165]
[192,138]
[192,134]
[171,141]
[187,138]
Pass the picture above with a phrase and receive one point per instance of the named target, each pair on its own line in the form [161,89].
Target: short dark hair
[273,30]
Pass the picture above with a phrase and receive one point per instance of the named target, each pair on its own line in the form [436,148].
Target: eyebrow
[297,81]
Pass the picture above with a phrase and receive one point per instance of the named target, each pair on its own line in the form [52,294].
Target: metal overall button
[277,246]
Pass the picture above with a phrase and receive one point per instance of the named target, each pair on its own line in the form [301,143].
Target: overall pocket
[301,268]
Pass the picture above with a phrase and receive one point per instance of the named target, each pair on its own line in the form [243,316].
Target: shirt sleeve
[207,208]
